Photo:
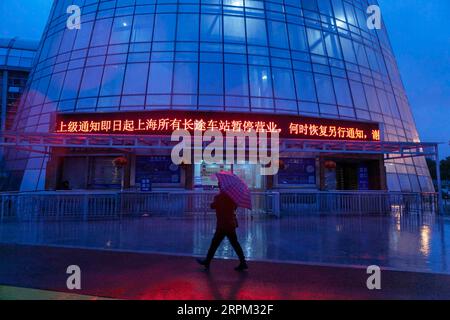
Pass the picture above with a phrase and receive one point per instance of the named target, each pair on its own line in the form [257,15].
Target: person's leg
[236,246]
[215,243]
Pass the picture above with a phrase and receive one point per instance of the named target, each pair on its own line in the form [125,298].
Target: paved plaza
[304,257]
[121,275]
[403,242]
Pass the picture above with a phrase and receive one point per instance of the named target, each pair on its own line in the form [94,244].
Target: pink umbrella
[235,188]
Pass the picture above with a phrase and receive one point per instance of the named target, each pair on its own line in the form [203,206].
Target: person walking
[226,226]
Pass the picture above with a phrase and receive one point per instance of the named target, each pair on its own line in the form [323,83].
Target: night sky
[419,34]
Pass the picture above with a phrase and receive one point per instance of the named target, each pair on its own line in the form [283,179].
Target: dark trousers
[217,239]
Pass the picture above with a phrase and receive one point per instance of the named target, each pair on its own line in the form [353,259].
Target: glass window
[187,29]
[338,10]
[361,54]
[260,82]
[160,78]
[325,7]
[125,3]
[325,90]
[342,92]
[347,48]
[71,84]
[393,106]
[54,44]
[330,109]
[68,40]
[142,28]
[372,98]
[135,78]
[372,59]
[283,83]
[121,30]
[309,107]
[101,32]
[236,80]
[297,37]
[277,34]
[211,78]
[41,91]
[315,41]
[332,44]
[351,17]
[54,89]
[347,112]
[185,78]
[358,95]
[404,182]
[305,86]
[310,5]
[211,29]
[234,29]
[112,80]
[165,27]
[384,103]
[44,50]
[256,31]
[83,36]
[91,82]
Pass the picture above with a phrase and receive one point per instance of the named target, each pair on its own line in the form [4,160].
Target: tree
[445,168]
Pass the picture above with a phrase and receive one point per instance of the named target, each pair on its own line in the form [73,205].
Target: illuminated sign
[165,122]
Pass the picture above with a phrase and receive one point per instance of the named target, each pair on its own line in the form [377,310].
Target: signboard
[157,169]
[146,185]
[297,171]
[165,122]
[363,177]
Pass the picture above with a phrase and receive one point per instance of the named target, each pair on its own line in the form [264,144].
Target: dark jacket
[225,212]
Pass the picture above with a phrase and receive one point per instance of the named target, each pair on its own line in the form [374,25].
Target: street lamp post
[439,182]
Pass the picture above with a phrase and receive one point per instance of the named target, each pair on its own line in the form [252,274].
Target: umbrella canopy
[235,188]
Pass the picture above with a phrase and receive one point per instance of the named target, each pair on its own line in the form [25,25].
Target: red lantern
[329,164]
[120,162]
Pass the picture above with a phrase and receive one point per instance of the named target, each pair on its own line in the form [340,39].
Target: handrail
[116,204]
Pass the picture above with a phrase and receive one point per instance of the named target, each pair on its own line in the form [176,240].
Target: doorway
[350,174]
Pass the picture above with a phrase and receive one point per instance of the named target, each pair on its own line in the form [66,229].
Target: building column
[127,171]
[439,182]
[383,181]
[4,101]
[321,173]
[188,176]
[53,173]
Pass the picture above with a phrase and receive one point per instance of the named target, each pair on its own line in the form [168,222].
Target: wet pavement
[124,275]
[408,242]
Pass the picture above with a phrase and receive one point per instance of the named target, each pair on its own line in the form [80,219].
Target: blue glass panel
[135,78]
[236,79]
[211,76]
[185,78]
[160,78]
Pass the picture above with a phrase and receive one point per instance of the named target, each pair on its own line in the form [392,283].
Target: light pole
[439,182]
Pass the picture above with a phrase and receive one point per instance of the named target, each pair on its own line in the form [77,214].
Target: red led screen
[165,122]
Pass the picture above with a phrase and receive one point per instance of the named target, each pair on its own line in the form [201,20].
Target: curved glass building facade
[16,58]
[303,57]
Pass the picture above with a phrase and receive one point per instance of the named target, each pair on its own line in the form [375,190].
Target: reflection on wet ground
[408,242]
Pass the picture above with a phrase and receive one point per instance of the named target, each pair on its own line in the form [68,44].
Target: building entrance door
[353,174]
[358,175]
[347,176]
